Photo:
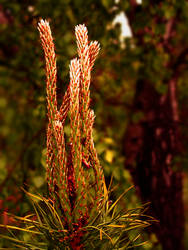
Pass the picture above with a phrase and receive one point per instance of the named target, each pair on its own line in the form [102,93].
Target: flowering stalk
[74,177]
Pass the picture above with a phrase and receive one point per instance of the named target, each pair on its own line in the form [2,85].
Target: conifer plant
[76,212]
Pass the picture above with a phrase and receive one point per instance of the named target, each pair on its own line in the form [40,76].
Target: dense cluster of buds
[74,175]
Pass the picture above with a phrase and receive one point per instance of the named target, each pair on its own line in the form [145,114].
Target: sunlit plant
[76,213]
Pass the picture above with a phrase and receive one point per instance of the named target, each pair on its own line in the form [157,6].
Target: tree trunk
[151,146]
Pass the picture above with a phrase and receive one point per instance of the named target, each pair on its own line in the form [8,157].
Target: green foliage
[110,229]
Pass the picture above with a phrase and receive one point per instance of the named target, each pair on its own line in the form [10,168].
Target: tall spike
[75,177]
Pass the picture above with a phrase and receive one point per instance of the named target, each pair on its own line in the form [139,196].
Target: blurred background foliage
[121,63]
